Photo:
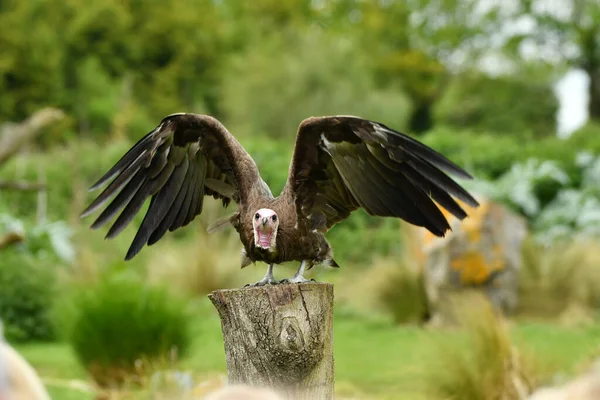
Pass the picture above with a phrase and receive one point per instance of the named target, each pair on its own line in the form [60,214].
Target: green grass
[561,347]
[373,358]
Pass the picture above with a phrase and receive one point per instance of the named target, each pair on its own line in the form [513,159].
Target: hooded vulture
[340,164]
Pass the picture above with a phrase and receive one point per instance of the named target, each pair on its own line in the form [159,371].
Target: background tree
[419,44]
[567,34]
[467,104]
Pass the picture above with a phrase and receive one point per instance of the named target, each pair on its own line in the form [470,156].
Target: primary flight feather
[340,163]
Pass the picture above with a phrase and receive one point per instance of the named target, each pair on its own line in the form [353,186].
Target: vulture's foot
[297,279]
[267,280]
[298,276]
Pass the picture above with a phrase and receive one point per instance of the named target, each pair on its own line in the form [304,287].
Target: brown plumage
[339,164]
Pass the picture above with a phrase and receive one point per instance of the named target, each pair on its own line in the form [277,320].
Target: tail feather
[330,262]
[220,223]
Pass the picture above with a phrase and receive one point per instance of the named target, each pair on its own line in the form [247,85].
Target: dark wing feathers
[119,201]
[411,146]
[159,206]
[136,152]
[186,157]
[343,163]
[168,220]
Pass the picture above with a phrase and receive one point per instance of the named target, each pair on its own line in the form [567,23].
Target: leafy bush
[392,285]
[28,272]
[119,325]
[518,187]
[401,292]
[487,155]
[574,212]
[26,295]
[546,195]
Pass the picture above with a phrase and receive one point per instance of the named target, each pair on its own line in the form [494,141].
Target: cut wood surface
[280,337]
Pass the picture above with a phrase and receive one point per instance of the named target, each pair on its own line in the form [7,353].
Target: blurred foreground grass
[374,359]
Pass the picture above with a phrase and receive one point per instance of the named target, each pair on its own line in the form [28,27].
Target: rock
[586,387]
[482,252]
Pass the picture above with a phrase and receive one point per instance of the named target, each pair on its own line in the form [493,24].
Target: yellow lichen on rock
[474,269]
[482,251]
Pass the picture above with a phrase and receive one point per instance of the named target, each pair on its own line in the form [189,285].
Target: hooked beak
[265,220]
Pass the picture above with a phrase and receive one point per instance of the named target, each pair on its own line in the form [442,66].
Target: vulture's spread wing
[185,158]
[342,163]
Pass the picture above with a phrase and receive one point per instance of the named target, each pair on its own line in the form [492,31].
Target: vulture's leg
[268,279]
[298,276]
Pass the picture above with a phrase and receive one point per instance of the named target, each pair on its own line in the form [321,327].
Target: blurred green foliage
[115,70]
[489,155]
[28,277]
[120,327]
[27,291]
[401,293]
[118,66]
[271,90]
[518,108]
[570,39]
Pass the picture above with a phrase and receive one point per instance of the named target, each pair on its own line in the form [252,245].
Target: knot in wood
[291,335]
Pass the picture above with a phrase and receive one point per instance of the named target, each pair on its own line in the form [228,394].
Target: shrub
[519,186]
[392,286]
[489,156]
[401,292]
[486,366]
[26,295]
[28,276]
[119,325]
[559,279]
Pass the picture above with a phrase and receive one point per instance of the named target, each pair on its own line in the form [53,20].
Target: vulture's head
[265,223]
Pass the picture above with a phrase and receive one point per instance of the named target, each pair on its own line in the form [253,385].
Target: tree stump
[280,337]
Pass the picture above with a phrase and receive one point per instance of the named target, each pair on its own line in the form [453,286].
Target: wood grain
[279,337]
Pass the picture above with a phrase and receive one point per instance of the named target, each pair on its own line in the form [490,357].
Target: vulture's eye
[257,216]
[274,218]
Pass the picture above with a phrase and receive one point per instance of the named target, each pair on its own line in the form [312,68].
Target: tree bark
[280,337]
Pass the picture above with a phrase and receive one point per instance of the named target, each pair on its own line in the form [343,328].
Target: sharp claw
[262,282]
[297,279]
